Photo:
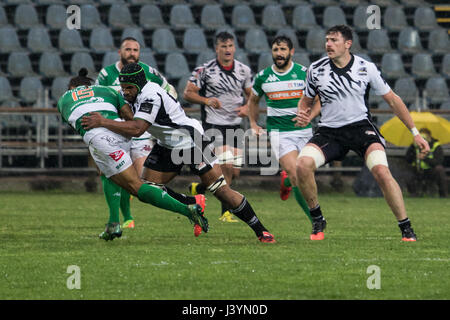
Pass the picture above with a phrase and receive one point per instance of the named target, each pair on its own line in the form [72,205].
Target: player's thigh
[128,179]
[158,176]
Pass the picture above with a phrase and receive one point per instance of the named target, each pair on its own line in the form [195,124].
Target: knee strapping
[317,155]
[376,157]
[216,185]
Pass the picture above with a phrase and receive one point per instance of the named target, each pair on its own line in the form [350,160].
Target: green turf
[41,234]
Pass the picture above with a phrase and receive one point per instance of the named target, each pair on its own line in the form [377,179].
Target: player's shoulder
[242,65]
[264,73]
[151,89]
[299,67]
[363,63]
[321,62]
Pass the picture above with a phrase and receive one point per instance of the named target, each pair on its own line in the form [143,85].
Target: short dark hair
[223,36]
[345,30]
[282,38]
[81,80]
[128,39]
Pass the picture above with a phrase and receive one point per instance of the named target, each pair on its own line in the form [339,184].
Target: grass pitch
[42,234]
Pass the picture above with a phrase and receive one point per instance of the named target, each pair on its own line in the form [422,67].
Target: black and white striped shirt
[344,92]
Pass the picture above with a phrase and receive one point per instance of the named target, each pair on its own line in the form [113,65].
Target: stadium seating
[392,66]
[25,16]
[147,57]
[3,17]
[70,41]
[150,17]
[194,41]
[302,58]
[38,40]
[445,68]
[315,42]
[101,40]
[409,41]
[422,66]
[212,18]
[59,86]
[176,66]
[360,18]
[438,41]
[394,19]
[265,60]
[31,89]
[206,55]
[242,57]
[9,41]
[163,41]
[333,15]
[437,90]
[256,41]
[109,58]
[19,64]
[90,17]
[6,92]
[406,88]
[181,17]
[303,18]
[242,17]
[378,41]
[82,60]
[134,32]
[119,17]
[55,17]
[290,33]
[51,65]
[273,17]
[425,19]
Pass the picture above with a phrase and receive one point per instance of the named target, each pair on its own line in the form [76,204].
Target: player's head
[81,80]
[426,134]
[282,51]
[339,40]
[225,47]
[129,51]
[132,79]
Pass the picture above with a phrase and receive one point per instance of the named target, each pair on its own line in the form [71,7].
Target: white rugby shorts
[286,141]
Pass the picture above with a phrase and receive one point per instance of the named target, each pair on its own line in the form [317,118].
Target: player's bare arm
[253,113]
[401,111]
[243,110]
[191,94]
[304,111]
[126,113]
[133,128]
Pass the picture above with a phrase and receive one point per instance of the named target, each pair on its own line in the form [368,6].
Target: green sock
[112,196]
[287,183]
[125,204]
[161,199]
[302,202]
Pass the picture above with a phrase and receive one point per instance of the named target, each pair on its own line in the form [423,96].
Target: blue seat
[119,16]
[438,41]
[9,40]
[394,18]
[211,17]
[59,87]
[392,66]
[176,66]
[422,66]
[290,33]
[150,17]
[303,18]
[51,65]
[407,90]
[194,40]
[101,40]
[273,18]
[38,40]
[90,17]
[25,16]
[409,41]
[147,57]
[181,17]
[31,90]
[445,67]
[437,90]
[333,15]
[378,41]
[82,60]
[55,17]
[19,65]
[163,41]
[242,17]
[425,19]
[3,17]
[265,60]
[315,40]
[256,41]
[135,33]
[70,41]
[6,92]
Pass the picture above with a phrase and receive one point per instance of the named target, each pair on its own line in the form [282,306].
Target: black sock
[180,197]
[405,223]
[245,213]
[225,207]
[201,188]
[316,213]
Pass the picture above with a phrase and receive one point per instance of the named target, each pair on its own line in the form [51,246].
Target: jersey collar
[341,71]
[284,73]
[226,70]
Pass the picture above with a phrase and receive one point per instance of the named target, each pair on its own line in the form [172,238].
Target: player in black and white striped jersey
[342,81]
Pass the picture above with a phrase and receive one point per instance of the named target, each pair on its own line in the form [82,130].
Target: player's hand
[302,119]
[422,144]
[257,130]
[214,103]
[93,120]
[242,111]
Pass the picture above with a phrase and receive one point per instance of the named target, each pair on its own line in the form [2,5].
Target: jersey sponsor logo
[117,155]
[362,71]
[282,95]
[272,78]
[297,84]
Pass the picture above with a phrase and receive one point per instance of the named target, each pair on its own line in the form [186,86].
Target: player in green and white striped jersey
[110,150]
[129,52]
[282,85]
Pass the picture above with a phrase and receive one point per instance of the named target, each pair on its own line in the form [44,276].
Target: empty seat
[9,41]
[147,57]
[242,17]
[90,17]
[413,3]
[409,41]
[438,41]
[38,40]
[394,18]
[194,40]
[273,17]
[56,16]
[176,66]
[51,65]
[263,3]
[384,3]
[332,16]
[406,88]
[256,41]
[26,16]
[19,65]
[378,41]
[392,66]
[436,90]
[445,67]
[290,33]
[206,55]
[303,18]
[212,17]
[364,56]
[425,19]
[3,17]
[315,41]
[135,33]
[302,58]
[70,41]
[181,85]
[82,60]
[6,92]
[323,3]
[109,58]
[59,86]
[356,45]
[163,41]
[181,17]
[150,17]
[265,60]
[119,16]
[241,56]
[422,66]
[445,106]
[30,90]
[360,18]
[101,40]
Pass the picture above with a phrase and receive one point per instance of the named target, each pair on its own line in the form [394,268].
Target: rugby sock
[225,207]
[245,213]
[316,213]
[180,197]
[161,199]
[125,204]
[299,197]
[302,202]
[404,223]
[201,188]
[112,196]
